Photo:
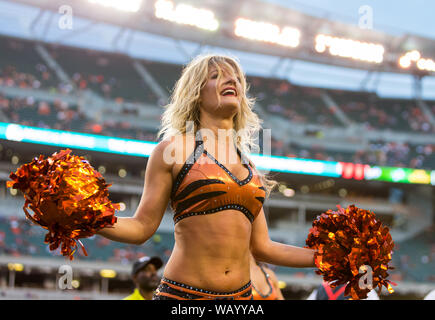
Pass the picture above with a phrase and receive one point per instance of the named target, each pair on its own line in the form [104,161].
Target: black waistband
[182,285]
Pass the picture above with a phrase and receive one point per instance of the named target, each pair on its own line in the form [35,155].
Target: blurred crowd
[19,237]
[298,104]
[405,116]
[60,115]
[304,105]
[107,78]
[378,153]
[42,78]
[413,259]
[21,232]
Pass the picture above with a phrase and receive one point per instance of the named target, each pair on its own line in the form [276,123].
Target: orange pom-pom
[352,248]
[69,198]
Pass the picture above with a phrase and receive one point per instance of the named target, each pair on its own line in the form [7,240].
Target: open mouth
[229,92]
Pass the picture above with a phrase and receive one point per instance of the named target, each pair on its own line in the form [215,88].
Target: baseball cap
[142,262]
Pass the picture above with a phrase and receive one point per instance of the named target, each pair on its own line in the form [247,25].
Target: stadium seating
[298,104]
[165,74]
[19,237]
[52,79]
[377,113]
[414,259]
[377,153]
[21,66]
[61,116]
[111,75]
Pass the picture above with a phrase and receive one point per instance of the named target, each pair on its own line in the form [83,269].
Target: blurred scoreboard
[130,147]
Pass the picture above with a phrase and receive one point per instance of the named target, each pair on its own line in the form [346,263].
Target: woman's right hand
[152,205]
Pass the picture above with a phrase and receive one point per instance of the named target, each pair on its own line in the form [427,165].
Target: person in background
[145,278]
[264,282]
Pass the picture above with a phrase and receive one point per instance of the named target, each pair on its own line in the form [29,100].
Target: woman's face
[222,97]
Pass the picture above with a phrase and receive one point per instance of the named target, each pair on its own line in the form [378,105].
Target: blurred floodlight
[348,48]
[288,192]
[282,187]
[15,267]
[413,55]
[15,160]
[421,63]
[404,62]
[267,32]
[122,173]
[426,65]
[305,189]
[122,206]
[108,273]
[186,14]
[342,192]
[75,284]
[122,5]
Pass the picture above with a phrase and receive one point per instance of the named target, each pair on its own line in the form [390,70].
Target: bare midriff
[211,252]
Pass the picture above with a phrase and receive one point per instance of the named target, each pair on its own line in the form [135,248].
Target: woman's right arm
[152,205]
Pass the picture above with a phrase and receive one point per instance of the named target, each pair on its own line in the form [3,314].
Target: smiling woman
[216,193]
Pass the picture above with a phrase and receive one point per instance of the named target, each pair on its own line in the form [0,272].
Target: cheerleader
[215,191]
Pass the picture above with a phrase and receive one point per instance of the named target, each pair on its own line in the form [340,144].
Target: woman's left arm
[280,254]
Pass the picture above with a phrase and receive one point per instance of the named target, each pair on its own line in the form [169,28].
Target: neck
[218,128]
[215,123]
[148,295]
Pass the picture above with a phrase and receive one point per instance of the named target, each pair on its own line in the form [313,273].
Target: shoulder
[159,156]
[134,296]
[130,297]
[160,148]
[174,149]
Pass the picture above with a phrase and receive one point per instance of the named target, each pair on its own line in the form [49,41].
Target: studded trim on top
[199,149]
[239,182]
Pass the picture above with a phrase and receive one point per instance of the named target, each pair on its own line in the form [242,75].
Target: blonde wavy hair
[184,105]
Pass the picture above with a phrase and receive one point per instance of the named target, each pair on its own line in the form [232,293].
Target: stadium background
[348,126]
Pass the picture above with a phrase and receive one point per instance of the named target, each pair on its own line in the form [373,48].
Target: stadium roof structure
[227,12]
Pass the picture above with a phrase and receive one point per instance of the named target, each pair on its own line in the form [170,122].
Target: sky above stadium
[394,17]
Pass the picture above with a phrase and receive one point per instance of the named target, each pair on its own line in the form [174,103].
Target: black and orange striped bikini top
[205,186]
